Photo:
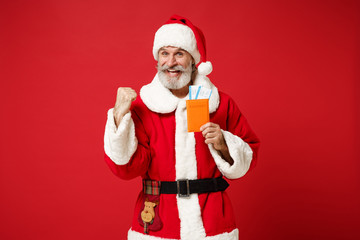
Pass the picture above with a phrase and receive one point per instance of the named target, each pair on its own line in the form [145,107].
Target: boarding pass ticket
[199,92]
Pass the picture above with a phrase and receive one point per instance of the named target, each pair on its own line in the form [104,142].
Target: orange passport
[197,114]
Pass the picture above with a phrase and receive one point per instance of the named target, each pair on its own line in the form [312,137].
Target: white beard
[175,82]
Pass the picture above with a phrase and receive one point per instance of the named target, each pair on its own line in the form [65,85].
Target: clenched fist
[124,98]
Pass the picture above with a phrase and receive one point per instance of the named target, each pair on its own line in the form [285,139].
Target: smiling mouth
[173,73]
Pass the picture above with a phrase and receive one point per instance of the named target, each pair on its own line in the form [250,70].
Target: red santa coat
[152,142]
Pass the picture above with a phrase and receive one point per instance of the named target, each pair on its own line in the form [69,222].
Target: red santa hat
[180,32]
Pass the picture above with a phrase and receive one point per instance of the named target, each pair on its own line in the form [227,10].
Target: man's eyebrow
[178,49]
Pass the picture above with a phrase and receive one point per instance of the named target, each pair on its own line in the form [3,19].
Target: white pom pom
[205,68]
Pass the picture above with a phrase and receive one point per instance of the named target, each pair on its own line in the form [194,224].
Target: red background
[292,67]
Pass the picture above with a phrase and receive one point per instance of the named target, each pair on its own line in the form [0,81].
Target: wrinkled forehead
[172,48]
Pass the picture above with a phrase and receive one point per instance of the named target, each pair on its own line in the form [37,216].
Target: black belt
[186,187]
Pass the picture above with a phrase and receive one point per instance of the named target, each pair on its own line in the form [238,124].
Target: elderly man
[183,195]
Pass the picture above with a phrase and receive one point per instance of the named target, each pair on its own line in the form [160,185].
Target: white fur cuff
[121,143]
[233,235]
[240,152]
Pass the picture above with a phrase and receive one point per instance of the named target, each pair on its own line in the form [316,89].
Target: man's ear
[193,67]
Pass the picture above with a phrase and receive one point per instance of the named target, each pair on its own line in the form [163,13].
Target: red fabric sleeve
[239,126]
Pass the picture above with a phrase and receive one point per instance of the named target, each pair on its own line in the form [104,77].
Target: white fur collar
[159,99]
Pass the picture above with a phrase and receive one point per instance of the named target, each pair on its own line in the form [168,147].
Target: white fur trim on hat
[176,35]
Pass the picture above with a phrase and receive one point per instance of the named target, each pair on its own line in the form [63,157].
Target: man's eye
[164,53]
[179,54]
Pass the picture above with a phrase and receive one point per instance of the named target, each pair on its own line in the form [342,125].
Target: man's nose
[171,61]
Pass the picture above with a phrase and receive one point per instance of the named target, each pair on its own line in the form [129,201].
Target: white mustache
[175,68]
